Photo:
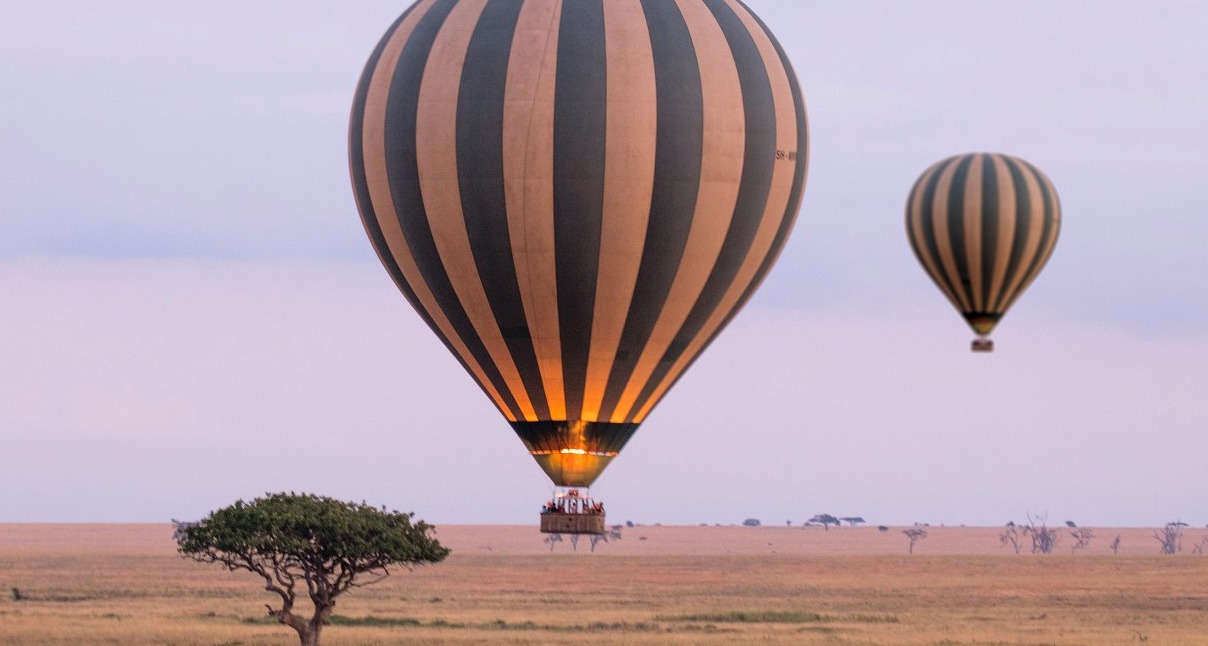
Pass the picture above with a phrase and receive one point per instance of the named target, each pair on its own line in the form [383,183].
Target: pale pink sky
[193,314]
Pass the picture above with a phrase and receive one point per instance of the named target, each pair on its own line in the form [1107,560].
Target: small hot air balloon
[983,225]
[577,196]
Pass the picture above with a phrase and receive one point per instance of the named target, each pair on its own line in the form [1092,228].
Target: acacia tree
[1082,538]
[311,545]
[1010,536]
[826,520]
[1171,536]
[1043,538]
[915,534]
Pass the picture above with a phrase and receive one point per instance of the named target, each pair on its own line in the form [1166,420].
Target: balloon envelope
[983,225]
[577,196]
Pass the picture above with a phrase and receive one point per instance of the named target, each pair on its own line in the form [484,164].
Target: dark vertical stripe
[956,227]
[915,215]
[480,178]
[579,129]
[759,160]
[677,163]
[360,184]
[991,207]
[927,218]
[402,166]
[1023,224]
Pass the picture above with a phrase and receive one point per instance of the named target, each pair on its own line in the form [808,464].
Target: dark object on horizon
[751,522]
[983,225]
[826,520]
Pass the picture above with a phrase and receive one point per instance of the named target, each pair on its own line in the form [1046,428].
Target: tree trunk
[310,630]
[308,635]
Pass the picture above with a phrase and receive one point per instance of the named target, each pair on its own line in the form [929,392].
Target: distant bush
[751,522]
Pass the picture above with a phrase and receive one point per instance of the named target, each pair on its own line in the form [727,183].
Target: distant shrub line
[776,617]
[498,624]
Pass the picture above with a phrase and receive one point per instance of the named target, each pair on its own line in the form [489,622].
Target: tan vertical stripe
[1031,248]
[943,240]
[436,156]
[721,173]
[528,170]
[778,197]
[1007,205]
[628,186]
[916,217]
[972,212]
[374,150]
[1053,210]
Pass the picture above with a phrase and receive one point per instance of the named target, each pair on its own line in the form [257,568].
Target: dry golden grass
[124,584]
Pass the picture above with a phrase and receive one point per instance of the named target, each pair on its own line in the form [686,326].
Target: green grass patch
[777,617]
[870,619]
[752,617]
[341,620]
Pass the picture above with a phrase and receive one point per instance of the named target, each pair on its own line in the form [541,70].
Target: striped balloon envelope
[983,225]
[577,196]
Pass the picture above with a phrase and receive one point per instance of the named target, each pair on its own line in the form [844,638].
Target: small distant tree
[1010,536]
[613,533]
[852,521]
[1043,538]
[1171,536]
[1082,538]
[317,546]
[751,522]
[826,520]
[915,534]
[1116,545]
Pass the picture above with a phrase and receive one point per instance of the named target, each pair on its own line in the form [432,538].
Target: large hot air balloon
[577,196]
[983,225]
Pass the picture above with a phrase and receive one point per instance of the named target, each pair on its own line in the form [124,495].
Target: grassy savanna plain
[124,584]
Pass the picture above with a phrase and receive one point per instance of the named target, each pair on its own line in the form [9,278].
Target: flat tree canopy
[308,544]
